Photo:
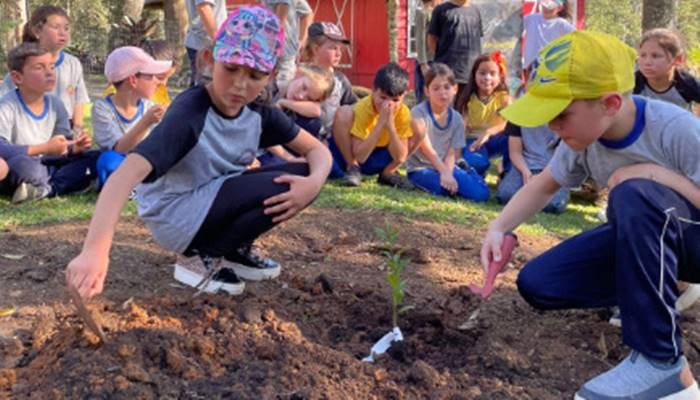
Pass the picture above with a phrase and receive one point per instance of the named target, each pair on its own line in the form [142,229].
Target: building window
[411,37]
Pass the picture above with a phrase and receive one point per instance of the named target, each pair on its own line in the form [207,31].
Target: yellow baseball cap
[579,65]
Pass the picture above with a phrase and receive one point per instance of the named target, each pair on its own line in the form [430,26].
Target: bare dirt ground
[298,337]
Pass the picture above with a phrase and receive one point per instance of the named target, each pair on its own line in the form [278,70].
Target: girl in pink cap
[194,192]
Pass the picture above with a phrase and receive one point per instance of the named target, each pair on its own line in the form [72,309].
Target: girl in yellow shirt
[486,95]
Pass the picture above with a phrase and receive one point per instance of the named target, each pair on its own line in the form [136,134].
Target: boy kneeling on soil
[36,139]
[197,197]
[374,136]
[646,151]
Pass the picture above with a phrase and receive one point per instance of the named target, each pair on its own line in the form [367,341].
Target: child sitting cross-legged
[432,167]
[36,140]
[374,136]
[530,150]
[301,100]
[121,120]
[195,193]
[485,96]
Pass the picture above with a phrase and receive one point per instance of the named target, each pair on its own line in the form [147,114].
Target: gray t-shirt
[664,134]
[70,85]
[297,9]
[20,126]
[442,138]
[538,144]
[671,95]
[192,151]
[108,125]
[196,37]
[540,32]
[342,95]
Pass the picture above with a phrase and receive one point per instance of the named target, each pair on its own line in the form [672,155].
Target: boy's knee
[342,122]
[29,169]
[634,197]
[529,286]
[4,169]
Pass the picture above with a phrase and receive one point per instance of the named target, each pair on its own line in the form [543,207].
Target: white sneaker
[193,271]
[26,192]
[688,298]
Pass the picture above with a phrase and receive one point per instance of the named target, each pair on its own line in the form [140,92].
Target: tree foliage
[624,20]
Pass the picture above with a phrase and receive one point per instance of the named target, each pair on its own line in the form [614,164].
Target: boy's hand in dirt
[87,274]
[491,248]
[302,190]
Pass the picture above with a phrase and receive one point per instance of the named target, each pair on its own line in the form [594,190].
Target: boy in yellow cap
[646,152]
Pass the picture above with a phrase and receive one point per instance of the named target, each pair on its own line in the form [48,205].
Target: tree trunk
[16,11]
[392,7]
[658,14]
[175,22]
[133,9]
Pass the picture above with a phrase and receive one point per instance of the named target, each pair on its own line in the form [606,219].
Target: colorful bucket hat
[251,36]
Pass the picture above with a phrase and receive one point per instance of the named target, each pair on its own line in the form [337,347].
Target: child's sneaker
[462,163]
[395,180]
[194,271]
[690,295]
[251,266]
[638,377]
[615,320]
[353,177]
[27,191]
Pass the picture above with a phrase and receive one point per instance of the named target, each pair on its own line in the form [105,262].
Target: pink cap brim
[157,67]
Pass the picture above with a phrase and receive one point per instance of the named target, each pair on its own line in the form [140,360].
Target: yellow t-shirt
[160,96]
[366,119]
[482,116]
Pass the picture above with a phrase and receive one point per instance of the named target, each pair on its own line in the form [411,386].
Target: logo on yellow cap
[552,60]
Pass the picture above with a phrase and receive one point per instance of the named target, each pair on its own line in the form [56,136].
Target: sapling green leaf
[396,264]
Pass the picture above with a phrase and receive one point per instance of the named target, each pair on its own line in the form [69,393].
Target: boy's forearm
[37,150]
[320,162]
[449,160]
[111,201]
[78,113]
[680,183]
[398,147]
[431,42]
[310,109]
[127,142]
[364,147]
[206,14]
[530,199]
[515,152]
[304,23]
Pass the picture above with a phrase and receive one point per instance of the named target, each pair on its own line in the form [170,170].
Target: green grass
[369,196]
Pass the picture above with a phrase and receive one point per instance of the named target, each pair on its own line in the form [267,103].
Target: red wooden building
[365,23]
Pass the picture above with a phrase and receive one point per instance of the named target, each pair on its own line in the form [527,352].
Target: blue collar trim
[435,122]
[635,133]
[59,60]
[122,118]
[28,111]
